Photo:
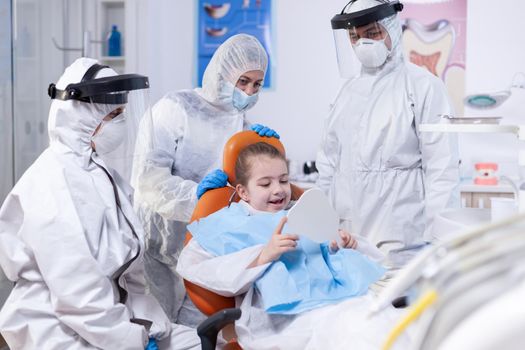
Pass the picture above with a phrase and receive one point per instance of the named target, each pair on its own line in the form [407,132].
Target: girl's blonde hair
[244,161]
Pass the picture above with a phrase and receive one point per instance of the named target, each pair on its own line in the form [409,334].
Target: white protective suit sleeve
[14,255]
[211,107]
[439,155]
[227,275]
[326,160]
[169,195]
[146,306]
[368,249]
[85,303]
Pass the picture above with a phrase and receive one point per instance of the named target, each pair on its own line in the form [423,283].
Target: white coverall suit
[387,180]
[72,251]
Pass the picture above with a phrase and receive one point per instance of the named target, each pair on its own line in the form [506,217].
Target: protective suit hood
[239,54]
[395,57]
[72,123]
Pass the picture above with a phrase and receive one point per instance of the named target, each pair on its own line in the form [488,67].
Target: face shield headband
[108,90]
[363,17]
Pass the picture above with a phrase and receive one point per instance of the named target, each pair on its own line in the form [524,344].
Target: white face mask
[241,100]
[371,53]
[110,135]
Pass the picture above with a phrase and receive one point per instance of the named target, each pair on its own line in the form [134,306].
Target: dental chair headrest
[237,143]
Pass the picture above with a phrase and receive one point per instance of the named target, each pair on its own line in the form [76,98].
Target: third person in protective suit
[385,178]
[190,130]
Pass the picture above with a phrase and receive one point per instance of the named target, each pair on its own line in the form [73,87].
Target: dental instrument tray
[472,120]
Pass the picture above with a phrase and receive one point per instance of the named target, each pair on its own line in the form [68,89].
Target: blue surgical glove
[264,131]
[152,344]
[215,179]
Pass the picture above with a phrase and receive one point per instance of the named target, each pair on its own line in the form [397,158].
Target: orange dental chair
[213,200]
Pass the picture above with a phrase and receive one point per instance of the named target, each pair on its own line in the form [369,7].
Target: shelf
[469,186]
[113,58]
[111,13]
[471,128]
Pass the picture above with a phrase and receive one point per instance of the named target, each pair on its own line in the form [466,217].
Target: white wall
[305,76]
[166,44]
[495,43]
[495,52]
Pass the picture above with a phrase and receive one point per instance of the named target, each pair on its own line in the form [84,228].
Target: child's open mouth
[277,201]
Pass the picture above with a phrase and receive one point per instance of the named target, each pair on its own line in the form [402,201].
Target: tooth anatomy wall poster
[434,37]
[218,20]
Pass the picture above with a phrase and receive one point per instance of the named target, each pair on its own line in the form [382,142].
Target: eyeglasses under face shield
[349,27]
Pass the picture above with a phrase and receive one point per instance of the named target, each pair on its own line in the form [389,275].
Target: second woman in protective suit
[190,130]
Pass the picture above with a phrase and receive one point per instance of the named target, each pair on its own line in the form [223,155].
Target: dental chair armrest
[210,328]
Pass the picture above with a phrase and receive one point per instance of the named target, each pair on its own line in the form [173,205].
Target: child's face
[268,188]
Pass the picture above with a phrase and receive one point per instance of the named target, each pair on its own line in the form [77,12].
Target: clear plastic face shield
[360,39]
[120,106]
[123,128]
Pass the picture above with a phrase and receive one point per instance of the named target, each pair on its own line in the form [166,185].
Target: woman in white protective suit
[386,179]
[190,130]
[69,238]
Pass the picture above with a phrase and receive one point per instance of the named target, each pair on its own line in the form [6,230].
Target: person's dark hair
[243,166]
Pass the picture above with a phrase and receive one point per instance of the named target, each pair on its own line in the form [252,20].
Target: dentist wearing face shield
[386,179]
[190,130]
[69,238]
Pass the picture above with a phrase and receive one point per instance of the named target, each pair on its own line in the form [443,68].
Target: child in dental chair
[288,287]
